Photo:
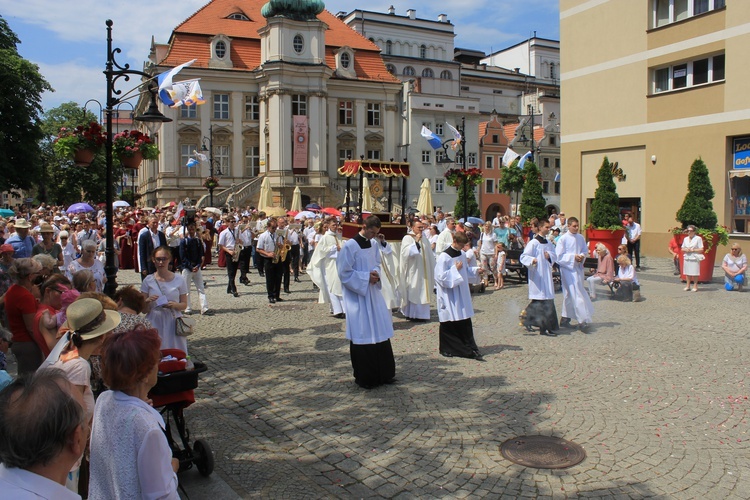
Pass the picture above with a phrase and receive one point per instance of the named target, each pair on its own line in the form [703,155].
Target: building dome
[299,10]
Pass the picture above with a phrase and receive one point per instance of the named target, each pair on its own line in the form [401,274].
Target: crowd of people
[91,360]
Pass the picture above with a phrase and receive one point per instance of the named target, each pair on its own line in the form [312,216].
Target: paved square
[655,393]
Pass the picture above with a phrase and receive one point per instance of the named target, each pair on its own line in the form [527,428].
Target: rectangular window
[252,108]
[489,186]
[373,114]
[221,157]
[670,11]
[557,162]
[552,140]
[546,162]
[346,113]
[189,111]
[373,154]
[439,129]
[221,106]
[545,187]
[252,161]
[186,152]
[557,187]
[439,155]
[488,161]
[471,159]
[426,156]
[344,155]
[688,74]
[439,185]
[495,139]
[299,105]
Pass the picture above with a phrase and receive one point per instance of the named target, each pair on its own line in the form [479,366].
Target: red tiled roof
[191,39]
[509,130]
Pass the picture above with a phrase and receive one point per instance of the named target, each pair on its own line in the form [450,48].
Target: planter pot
[610,239]
[132,161]
[707,264]
[83,157]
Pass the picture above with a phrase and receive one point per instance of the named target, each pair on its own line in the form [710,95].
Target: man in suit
[148,241]
[191,257]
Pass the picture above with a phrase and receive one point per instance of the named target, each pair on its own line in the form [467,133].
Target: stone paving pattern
[655,393]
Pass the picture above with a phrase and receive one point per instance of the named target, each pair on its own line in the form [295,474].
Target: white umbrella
[367,203]
[296,201]
[306,214]
[212,210]
[424,204]
[265,202]
[120,204]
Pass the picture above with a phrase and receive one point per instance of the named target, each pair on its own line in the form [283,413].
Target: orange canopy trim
[385,168]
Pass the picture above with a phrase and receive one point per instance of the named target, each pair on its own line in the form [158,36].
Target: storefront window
[739,178]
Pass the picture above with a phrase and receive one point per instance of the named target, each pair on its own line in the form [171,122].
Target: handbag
[183,326]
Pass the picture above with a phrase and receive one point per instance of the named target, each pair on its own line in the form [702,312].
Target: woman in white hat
[88,323]
[48,245]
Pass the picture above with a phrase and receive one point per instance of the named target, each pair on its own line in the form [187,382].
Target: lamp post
[525,140]
[152,118]
[460,158]
[210,150]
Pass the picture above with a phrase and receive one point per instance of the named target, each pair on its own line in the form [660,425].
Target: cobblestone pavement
[655,393]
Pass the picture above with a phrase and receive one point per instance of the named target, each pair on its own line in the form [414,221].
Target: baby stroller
[173,393]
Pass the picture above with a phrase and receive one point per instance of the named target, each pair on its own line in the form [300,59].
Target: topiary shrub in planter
[532,201]
[698,210]
[604,225]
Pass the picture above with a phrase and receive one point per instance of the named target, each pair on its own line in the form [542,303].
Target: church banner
[299,160]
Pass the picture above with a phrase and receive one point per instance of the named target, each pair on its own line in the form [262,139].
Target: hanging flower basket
[81,143]
[132,161]
[211,183]
[455,176]
[132,147]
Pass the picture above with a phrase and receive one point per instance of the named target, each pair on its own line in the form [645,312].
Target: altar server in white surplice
[323,269]
[390,276]
[417,265]
[539,257]
[369,325]
[571,251]
[452,276]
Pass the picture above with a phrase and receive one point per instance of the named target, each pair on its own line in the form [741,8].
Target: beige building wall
[609,52]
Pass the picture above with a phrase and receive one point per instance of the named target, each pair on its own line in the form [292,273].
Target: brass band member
[269,248]
[227,242]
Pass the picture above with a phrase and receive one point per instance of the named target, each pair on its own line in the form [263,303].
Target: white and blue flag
[522,162]
[435,141]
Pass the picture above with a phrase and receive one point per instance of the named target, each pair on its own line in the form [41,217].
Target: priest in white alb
[455,309]
[571,251]
[390,275]
[539,257]
[323,272]
[417,265]
[369,325]
[445,238]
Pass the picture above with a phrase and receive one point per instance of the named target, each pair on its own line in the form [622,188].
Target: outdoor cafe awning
[377,167]
[742,172]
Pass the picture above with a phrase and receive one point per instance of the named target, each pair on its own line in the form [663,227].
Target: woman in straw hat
[88,323]
[48,245]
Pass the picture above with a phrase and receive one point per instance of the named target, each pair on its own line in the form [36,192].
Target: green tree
[21,89]
[532,201]
[472,205]
[67,183]
[605,209]
[511,180]
[697,208]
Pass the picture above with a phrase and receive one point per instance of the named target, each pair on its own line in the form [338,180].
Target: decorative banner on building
[299,160]
[741,153]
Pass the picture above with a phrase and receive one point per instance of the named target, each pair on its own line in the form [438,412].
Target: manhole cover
[542,452]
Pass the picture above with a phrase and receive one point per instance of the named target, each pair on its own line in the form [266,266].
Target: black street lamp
[525,140]
[152,117]
[460,158]
[210,150]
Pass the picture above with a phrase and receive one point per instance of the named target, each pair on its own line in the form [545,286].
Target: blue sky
[67,39]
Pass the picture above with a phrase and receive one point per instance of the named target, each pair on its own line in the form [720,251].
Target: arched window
[423,51]
[391,68]
[346,60]
[409,71]
[428,73]
[220,49]
[446,75]
[238,16]
[298,43]
[388,47]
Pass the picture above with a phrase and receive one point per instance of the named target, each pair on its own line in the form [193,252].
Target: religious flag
[200,156]
[433,139]
[509,156]
[165,82]
[187,93]
[456,136]
[192,162]
[557,177]
[523,160]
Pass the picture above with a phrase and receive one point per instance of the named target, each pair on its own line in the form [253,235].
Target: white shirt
[228,238]
[267,241]
[488,243]
[130,456]
[20,484]
[633,231]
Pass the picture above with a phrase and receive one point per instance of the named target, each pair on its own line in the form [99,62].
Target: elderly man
[22,242]
[43,432]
